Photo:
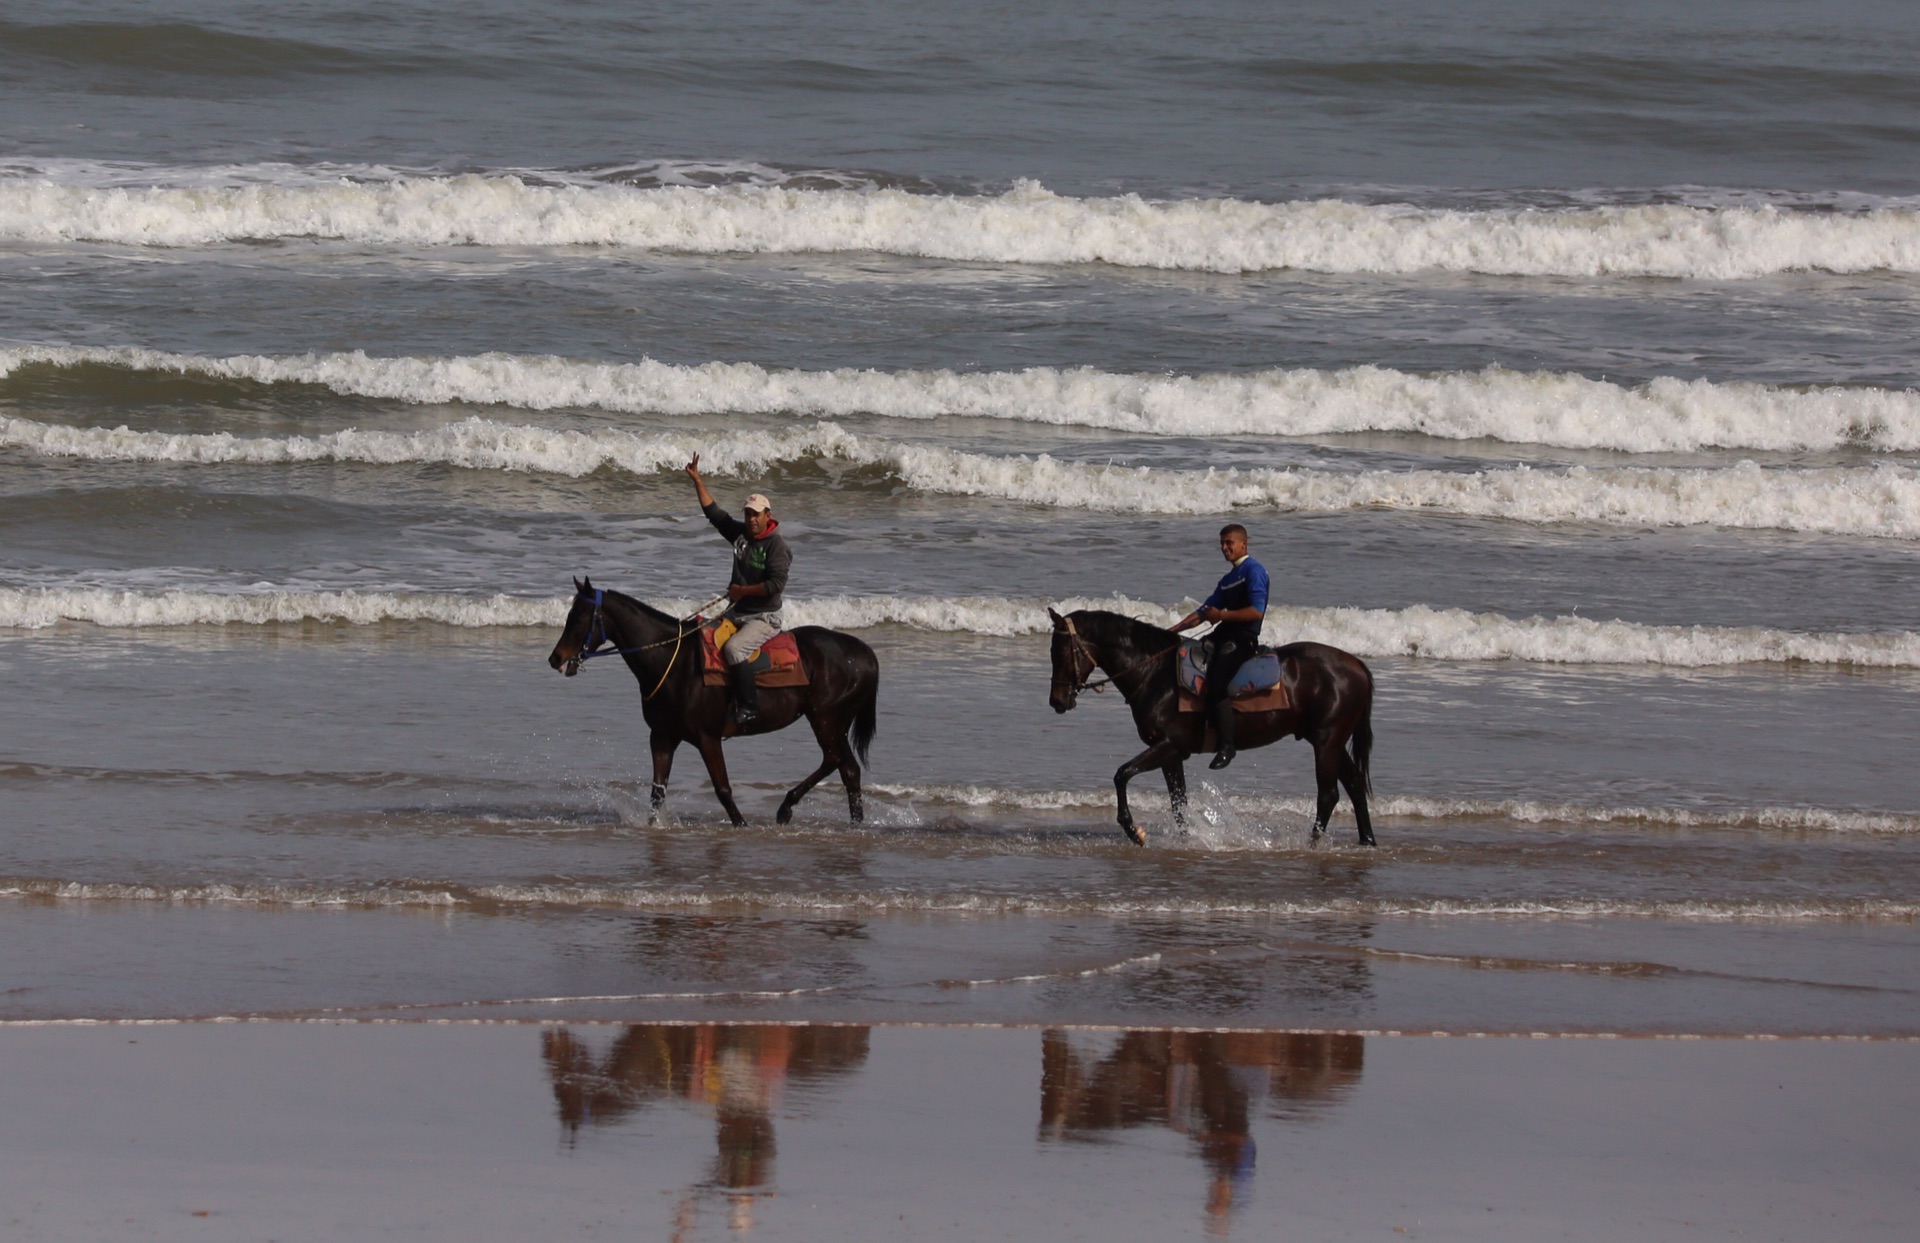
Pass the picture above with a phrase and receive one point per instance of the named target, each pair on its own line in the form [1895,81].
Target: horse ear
[586,584]
[577,587]
[1059,622]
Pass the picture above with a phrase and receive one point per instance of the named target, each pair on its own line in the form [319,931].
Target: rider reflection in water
[739,1073]
[1205,1085]
[761,559]
[1237,607]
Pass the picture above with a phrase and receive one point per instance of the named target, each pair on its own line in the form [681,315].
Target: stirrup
[1223,757]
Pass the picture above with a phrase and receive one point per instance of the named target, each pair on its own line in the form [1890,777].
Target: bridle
[593,644]
[1089,683]
[1078,649]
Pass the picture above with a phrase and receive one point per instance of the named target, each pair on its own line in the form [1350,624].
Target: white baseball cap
[759,502]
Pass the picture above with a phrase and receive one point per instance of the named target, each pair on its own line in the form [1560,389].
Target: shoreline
[1385,1033]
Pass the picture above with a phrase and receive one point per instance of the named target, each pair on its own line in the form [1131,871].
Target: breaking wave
[1416,632]
[34,608]
[1566,411]
[1026,224]
[1881,500]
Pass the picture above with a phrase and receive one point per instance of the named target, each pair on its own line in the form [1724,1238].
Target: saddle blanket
[777,663]
[1255,688]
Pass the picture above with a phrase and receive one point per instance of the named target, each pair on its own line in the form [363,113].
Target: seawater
[1560,363]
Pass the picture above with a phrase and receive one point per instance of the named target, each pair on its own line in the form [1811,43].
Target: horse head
[584,631]
[1073,664]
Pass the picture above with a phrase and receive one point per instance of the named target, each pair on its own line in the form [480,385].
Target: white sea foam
[1026,224]
[1881,500]
[33,608]
[1567,411]
[643,897]
[235,894]
[1417,632]
[1456,634]
[1426,808]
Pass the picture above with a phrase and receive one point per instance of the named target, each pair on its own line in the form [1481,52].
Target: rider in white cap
[761,559]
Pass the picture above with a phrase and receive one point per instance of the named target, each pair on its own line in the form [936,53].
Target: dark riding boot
[1223,715]
[746,695]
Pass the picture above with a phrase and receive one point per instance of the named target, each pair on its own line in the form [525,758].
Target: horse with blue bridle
[839,699]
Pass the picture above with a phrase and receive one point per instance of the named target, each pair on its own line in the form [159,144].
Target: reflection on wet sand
[1201,1084]
[1208,1086]
[739,1072]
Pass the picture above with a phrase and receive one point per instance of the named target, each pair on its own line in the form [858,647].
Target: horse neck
[1124,647]
[653,644]
[630,623]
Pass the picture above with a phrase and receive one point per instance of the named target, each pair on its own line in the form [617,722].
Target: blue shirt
[1243,586]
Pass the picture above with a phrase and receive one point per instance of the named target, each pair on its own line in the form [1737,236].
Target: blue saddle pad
[1262,673]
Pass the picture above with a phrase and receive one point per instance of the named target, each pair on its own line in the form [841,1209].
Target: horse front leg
[663,746]
[717,770]
[1155,756]
[1176,774]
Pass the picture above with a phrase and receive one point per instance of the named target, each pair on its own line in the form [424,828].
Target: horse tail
[866,720]
[1363,738]
[1363,748]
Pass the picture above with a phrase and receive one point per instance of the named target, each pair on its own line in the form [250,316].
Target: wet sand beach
[359,1131]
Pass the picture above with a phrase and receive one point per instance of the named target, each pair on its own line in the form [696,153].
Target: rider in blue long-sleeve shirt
[1237,607]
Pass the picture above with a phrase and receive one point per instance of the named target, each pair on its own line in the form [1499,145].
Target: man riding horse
[761,560]
[1237,607]
[833,682]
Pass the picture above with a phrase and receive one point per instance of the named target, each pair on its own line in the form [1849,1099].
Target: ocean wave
[1416,632]
[417,894]
[1881,500]
[1025,224]
[1432,809]
[33,608]
[1565,411]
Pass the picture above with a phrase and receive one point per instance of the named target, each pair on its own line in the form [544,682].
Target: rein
[597,635]
[1100,685]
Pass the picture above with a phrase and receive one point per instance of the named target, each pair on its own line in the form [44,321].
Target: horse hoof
[784,815]
[1135,834]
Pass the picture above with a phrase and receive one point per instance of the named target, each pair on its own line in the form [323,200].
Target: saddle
[1256,687]
[775,663]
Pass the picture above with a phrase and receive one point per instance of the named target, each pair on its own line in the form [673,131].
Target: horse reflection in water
[1204,1085]
[739,1072]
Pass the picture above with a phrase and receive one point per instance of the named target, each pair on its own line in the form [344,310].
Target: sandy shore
[371,1131]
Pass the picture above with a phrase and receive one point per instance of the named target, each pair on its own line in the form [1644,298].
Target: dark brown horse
[1332,694]
[839,699]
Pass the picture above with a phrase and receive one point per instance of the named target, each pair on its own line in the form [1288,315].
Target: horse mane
[639,606]
[1140,634]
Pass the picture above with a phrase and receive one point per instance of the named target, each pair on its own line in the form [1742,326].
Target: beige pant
[755,629]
